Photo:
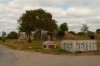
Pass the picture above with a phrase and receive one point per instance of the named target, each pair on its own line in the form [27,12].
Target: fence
[79,45]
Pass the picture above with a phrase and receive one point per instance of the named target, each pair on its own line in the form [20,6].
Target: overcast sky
[74,12]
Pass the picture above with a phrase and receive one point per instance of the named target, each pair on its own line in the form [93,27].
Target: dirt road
[23,58]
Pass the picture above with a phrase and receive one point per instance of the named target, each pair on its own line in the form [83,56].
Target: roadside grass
[98,43]
[23,45]
[36,46]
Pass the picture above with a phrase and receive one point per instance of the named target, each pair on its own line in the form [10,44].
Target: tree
[3,36]
[85,28]
[62,28]
[98,31]
[36,20]
[12,35]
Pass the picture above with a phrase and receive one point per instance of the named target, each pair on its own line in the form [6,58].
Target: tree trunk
[38,35]
[29,39]
[50,36]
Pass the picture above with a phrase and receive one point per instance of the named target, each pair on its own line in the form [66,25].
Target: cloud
[74,12]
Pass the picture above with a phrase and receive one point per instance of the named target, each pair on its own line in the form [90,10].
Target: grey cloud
[77,13]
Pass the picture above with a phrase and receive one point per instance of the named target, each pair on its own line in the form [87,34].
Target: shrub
[72,32]
[81,33]
[0,38]
[12,35]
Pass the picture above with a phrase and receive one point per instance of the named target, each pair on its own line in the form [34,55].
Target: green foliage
[3,39]
[90,32]
[3,36]
[62,28]
[36,20]
[85,28]
[72,32]
[12,35]
[98,31]
[0,38]
[80,33]
[60,34]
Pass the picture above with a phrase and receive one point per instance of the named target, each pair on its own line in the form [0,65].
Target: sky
[73,12]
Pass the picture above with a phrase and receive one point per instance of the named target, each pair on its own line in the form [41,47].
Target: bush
[91,34]
[12,35]
[3,39]
[0,38]
[81,33]
[72,32]
[98,31]
[61,33]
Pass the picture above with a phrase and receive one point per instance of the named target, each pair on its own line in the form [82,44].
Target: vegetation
[98,31]
[36,20]
[12,35]
[34,46]
[3,36]
[72,32]
[91,34]
[0,38]
[62,28]
[80,33]
[37,47]
[85,28]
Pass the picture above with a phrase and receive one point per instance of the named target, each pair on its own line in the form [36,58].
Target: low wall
[79,45]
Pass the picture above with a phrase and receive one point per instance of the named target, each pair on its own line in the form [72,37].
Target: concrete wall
[79,45]
[23,36]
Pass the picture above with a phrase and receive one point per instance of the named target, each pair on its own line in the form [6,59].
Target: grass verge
[34,46]
[37,47]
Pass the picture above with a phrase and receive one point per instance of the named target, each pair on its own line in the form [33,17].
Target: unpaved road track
[7,58]
[10,57]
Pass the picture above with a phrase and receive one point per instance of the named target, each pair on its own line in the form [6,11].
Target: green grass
[98,43]
[24,45]
[34,46]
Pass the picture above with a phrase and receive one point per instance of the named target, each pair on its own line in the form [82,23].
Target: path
[23,58]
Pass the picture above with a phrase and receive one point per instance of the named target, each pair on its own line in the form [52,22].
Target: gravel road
[10,57]
[7,58]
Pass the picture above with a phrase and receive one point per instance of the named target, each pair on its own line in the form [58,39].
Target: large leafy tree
[36,20]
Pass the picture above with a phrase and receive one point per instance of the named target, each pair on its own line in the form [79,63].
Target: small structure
[23,36]
[49,44]
[44,35]
[79,45]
